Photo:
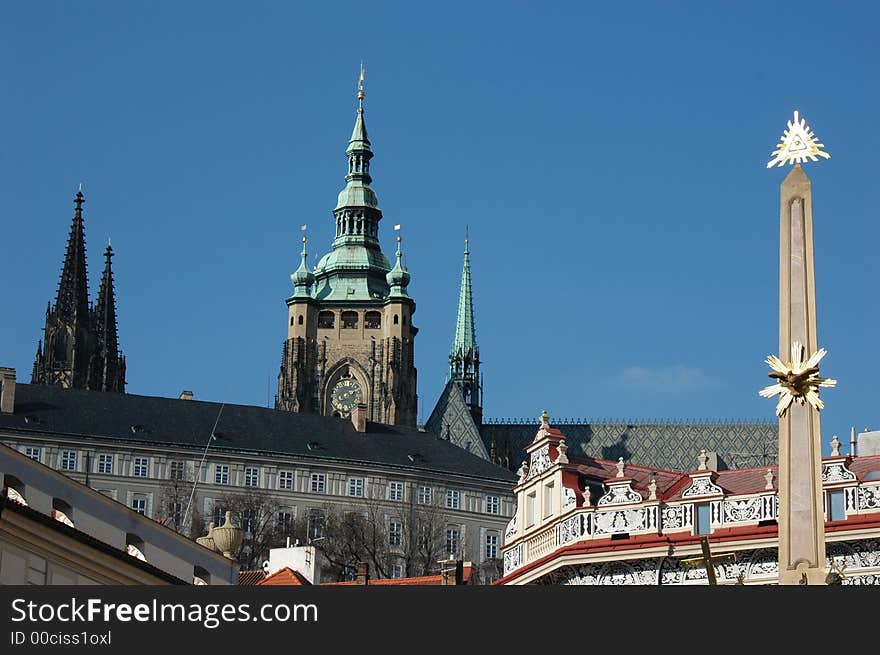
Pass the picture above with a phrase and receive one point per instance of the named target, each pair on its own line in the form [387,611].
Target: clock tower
[350,333]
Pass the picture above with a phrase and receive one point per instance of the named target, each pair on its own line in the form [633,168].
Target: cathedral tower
[80,346]
[350,333]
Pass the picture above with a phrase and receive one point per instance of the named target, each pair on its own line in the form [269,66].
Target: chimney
[363,574]
[359,417]
[185,395]
[451,572]
[7,390]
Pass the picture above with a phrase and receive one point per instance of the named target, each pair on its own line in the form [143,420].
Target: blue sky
[608,160]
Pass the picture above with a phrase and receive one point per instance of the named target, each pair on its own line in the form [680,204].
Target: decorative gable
[620,492]
[702,485]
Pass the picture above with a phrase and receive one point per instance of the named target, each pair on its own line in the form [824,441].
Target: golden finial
[797,144]
[303,229]
[361,93]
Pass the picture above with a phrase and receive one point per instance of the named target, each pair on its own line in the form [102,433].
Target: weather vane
[797,144]
[303,230]
[799,380]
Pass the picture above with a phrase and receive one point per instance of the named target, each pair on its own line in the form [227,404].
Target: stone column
[801,516]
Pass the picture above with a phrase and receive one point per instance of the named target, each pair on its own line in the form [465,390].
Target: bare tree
[175,495]
[257,514]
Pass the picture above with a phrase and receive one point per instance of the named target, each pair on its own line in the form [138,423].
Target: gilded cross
[708,560]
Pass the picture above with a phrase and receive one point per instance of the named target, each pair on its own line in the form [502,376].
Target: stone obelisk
[800,516]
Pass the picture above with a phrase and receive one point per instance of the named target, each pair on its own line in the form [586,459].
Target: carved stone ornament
[539,462]
[837,472]
[569,499]
[702,486]
[510,532]
[562,458]
[620,494]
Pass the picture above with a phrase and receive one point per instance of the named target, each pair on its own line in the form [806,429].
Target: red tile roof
[670,485]
[285,577]
[423,580]
[250,578]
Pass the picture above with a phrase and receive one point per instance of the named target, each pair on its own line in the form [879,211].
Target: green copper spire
[464,356]
[398,277]
[302,278]
[356,268]
[465,342]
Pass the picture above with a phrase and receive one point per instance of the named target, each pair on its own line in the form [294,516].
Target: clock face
[345,395]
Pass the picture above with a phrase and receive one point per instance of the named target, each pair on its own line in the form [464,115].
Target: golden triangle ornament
[797,144]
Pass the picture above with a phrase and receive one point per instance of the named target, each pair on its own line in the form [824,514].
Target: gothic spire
[465,342]
[73,290]
[107,369]
[464,356]
[105,310]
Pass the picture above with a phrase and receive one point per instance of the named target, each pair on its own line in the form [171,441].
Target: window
[372,320]
[284,522]
[325,320]
[141,467]
[395,491]
[356,487]
[548,500]
[492,505]
[453,537]
[105,464]
[395,533]
[251,477]
[836,506]
[221,474]
[175,511]
[703,522]
[396,319]
[300,320]
[317,483]
[349,320]
[285,479]
[33,453]
[315,524]
[176,471]
[453,499]
[139,505]
[249,520]
[426,495]
[531,502]
[491,546]
[396,571]
[68,460]
[219,515]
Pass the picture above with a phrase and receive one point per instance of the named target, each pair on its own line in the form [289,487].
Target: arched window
[14,489]
[134,546]
[291,320]
[326,320]
[349,320]
[201,576]
[62,512]
[372,320]
[396,319]
[300,319]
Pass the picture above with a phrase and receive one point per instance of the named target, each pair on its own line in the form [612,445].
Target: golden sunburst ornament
[799,379]
[797,144]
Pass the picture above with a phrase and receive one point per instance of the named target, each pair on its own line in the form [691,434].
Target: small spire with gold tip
[361,93]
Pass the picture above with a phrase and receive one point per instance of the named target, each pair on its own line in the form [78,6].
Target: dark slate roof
[673,446]
[78,413]
[452,420]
